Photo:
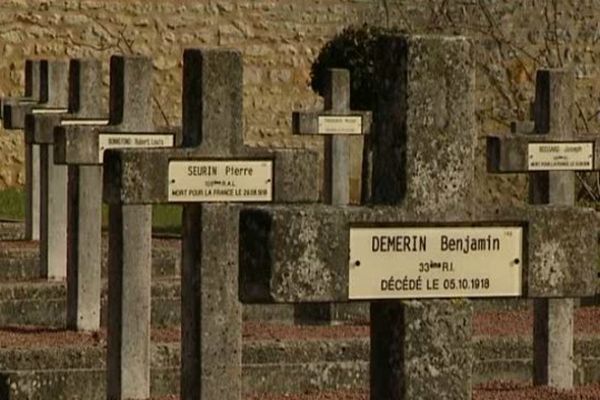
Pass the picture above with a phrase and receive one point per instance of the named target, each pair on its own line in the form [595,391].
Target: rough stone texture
[435,355]
[554,110]
[54,94]
[278,245]
[212,128]
[509,153]
[337,170]
[279,40]
[129,303]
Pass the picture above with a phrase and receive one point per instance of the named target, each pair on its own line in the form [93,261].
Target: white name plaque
[440,262]
[221,181]
[133,140]
[340,125]
[84,122]
[575,156]
[38,111]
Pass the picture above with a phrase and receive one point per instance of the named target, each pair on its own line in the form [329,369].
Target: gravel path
[496,323]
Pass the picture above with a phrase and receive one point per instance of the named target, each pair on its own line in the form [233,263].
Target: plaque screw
[516,261]
[357,263]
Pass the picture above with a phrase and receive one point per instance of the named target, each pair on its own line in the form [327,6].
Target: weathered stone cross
[32,87]
[80,143]
[432,241]
[215,170]
[550,154]
[85,98]
[54,95]
[339,125]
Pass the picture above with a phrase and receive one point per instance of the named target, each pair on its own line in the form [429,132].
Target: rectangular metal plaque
[221,181]
[84,122]
[340,125]
[440,262]
[133,140]
[49,111]
[552,156]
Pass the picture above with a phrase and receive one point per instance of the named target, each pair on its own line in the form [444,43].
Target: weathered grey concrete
[424,161]
[553,318]
[284,367]
[554,111]
[84,95]
[130,232]
[32,87]
[52,211]
[211,313]
[32,192]
[128,338]
[53,216]
[337,161]
[280,256]
[336,182]
[212,128]
[83,255]
[14,110]
[46,87]
[420,349]
[432,95]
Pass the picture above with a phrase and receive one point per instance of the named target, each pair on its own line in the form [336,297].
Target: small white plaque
[340,125]
[133,140]
[440,262]
[553,156]
[49,111]
[221,181]
[84,122]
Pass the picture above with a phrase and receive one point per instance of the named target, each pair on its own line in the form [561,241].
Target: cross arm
[39,128]
[307,123]
[142,176]
[301,254]
[511,153]
[13,113]
[80,144]
[76,145]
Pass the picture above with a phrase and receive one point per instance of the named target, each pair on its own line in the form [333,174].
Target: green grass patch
[165,218]
[12,204]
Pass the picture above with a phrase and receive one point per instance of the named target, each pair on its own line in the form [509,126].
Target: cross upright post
[339,125]
[550,152]
[424,240]
[80,142]
[211,176]
[53,98]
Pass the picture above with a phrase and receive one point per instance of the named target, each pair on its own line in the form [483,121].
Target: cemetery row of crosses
[267,231]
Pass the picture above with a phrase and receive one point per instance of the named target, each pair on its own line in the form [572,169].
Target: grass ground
[165,218]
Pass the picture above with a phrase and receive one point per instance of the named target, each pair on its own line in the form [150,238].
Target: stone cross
[211,176]
[416,241]
[339,125]
[32,87]
[53,98]
[550,152]
[85,98]
[80,143]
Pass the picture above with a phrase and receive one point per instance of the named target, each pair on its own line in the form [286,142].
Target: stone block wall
[279,40]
